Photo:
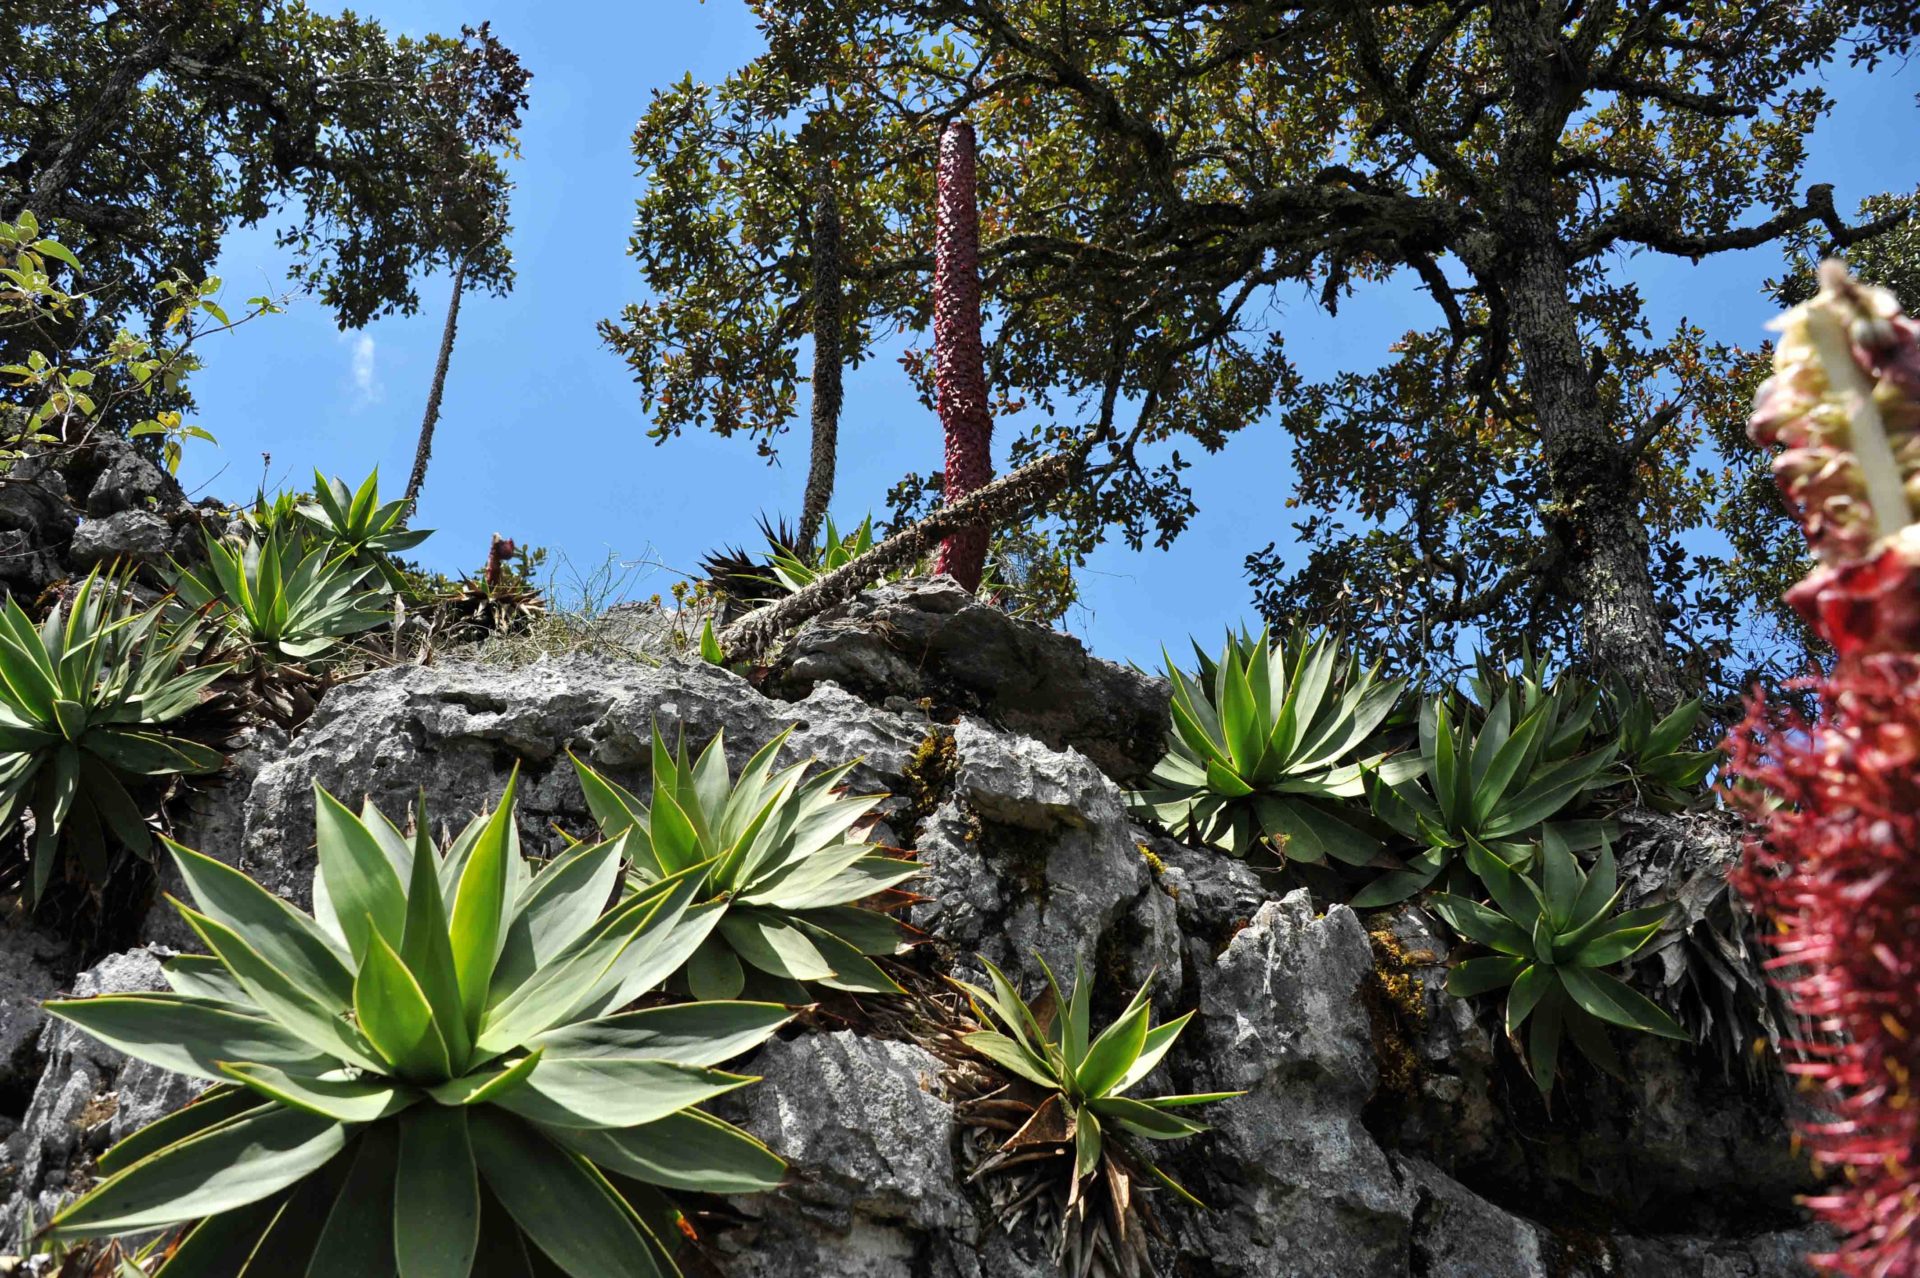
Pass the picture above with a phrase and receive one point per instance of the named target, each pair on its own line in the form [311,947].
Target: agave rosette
[431,1076]
[783,859]
[1269,743]
[1551,941]
[370,532]
[80,698]
[277,599]
[1496,786]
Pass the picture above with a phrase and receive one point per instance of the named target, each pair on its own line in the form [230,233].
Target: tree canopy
[141,131]
[1537,466]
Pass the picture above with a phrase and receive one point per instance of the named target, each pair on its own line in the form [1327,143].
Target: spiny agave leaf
[1543,1040]
[1011,1054]
[1474,976]
[1113,1053]
[1561,878]
[1086,1142]
[689,1150]
[1158,1042]
[1476,922]
[426,947]
[229,1166]
[1534,982]
[686,1034]
[852,970]
[223,1244]
[559,1201]
[558,907]
[482,1087]
[442,1224]
[216,1105]
[188,1036]
[714,971]
[774,946]
[614,809]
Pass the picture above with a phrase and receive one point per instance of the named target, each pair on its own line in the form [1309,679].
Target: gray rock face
[128,480]
[930,638]
[30,961]
[136,535]
[1377,1135]
[89,1097]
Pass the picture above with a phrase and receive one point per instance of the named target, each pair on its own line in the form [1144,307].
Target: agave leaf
[344,1100]
[362,886]
[1158,1042]
[442,1225]
[1533,983]
[1144,1120]
[216,1105]
[698,1034]
[188,1036]
[1614,1001]
[562,1205]
[284,936]
[1113,1053]
[1543,1040]
[1474,976]
[1011,1054]
[763,940]
[395,1014]
[357,1235]
[226,1167]
[689,1150]
[477,923]
[714,971]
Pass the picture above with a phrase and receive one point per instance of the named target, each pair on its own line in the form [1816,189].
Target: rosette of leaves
[368,531]
[782,860]
[1496,786]
[1552,940]
[1654,756]
[277,601]
[1270,746]
[82,697]
[1081,1112]
[431,1076]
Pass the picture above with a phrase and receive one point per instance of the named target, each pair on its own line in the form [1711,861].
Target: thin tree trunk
[1009,497]
[827,360]
[1591,477]
[961,372]
[423,451]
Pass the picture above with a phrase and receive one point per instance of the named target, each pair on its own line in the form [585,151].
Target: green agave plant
[1551,940]
[80,699]
[794,571]
[431,1076]
[1496,787]
[1268,743]
[1654,758]
[781,860]
[357,522]
[276,600]
[1086,1076]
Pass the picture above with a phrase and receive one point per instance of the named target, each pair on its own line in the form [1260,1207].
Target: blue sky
[542,437]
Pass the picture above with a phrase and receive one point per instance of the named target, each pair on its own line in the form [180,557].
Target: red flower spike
[960,368]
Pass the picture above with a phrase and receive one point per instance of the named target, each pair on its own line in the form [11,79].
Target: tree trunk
[107,107]
[827,361]
[423,451]
[960,358]
[1590,474]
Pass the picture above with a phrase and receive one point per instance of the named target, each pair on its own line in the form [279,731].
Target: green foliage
[795,569]
[81,699]
[1551,939]
[780,859]
[64,397]
[357,523]
[1267,742]
[1654,755]
[1496,786]
[277,600]
[443,1025]
[1051,1046]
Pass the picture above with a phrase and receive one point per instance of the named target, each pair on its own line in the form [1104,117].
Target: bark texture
[1009,497]
[423,451]
[960,357]
[826,362]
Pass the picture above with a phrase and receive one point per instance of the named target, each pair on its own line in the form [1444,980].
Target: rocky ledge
[1385,1129]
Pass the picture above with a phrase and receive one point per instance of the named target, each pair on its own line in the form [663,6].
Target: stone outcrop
[1385,1129]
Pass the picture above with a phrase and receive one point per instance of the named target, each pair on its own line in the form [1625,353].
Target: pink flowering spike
[960,358]
[1835,868]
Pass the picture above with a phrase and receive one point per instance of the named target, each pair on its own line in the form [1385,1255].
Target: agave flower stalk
[430,1076]
[1836,868]
[780,860]
[81,699]
[960,356]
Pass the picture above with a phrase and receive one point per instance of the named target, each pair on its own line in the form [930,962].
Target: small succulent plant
[1081,1110]
[1552,940]
[431,1076]
[82,697]
[366,530]
[1268,742]
[781,861]
[277,600]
